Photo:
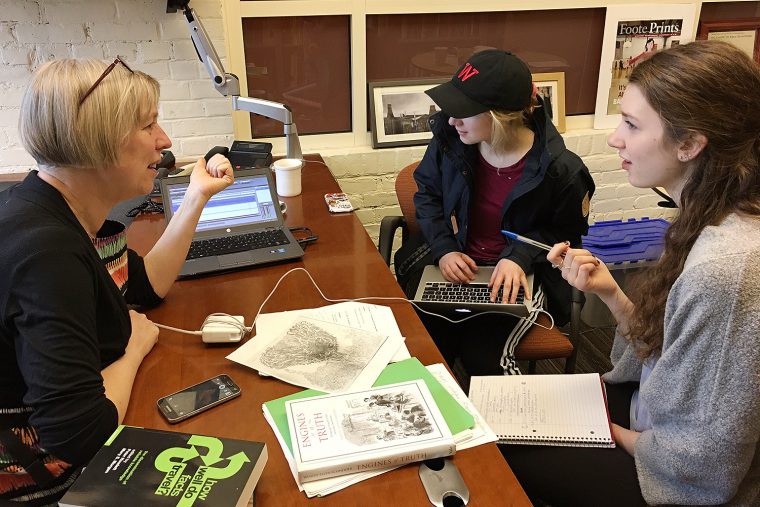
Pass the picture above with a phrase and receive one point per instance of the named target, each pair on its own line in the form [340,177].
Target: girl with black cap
[496,162]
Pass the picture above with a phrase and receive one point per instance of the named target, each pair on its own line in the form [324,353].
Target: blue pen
[523,239]
[537,244]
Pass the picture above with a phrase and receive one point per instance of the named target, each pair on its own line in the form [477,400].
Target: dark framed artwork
[399,112]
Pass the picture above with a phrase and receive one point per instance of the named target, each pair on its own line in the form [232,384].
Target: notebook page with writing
[569,410]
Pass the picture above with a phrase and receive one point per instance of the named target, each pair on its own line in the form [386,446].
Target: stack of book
[334,440]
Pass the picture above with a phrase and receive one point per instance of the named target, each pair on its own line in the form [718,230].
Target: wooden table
[345,263]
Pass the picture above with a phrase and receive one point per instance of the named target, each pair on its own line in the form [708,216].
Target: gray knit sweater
[704,392]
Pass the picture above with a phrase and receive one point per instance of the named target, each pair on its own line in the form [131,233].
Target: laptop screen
[245,202]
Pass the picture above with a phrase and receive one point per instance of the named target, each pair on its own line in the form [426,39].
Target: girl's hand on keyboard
[457,267]
[508,274]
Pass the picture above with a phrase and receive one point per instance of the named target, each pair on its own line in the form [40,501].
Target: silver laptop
[436,294]
[241,226]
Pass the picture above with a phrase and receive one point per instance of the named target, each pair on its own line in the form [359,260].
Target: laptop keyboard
[459,293]
[233,244]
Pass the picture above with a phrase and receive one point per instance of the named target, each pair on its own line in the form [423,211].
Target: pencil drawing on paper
[326,356]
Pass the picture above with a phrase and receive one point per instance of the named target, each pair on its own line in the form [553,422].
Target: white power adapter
[223,329]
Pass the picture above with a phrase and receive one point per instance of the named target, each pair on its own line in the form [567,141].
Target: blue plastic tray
[617,242]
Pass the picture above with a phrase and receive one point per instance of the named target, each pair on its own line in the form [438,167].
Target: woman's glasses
[103,76]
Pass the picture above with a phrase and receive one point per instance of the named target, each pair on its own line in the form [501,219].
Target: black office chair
[538,343]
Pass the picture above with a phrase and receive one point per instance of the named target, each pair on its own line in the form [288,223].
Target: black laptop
[241,226]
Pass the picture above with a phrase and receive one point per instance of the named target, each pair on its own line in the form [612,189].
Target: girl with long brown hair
[685,387]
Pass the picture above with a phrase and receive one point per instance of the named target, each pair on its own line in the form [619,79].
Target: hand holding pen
[538,244]
[579,267]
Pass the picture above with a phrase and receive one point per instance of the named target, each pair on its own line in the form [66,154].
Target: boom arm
[228,84]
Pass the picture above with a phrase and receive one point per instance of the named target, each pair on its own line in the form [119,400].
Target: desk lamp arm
[276,111]
[229,85]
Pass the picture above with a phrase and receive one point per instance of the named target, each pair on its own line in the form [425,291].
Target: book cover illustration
[151,467]
[376,428]
[323,355]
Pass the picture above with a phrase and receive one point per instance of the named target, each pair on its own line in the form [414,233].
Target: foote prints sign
[632,34]
[634,43]
[151,467]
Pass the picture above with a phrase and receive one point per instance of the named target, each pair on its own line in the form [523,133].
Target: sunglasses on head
[108,70]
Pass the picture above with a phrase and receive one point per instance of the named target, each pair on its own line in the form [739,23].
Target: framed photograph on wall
[551,87]
[399,112]
[742,33]
[633,33]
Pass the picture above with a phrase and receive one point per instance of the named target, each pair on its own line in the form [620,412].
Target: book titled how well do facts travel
[140,466]
[381,427]
[565,410]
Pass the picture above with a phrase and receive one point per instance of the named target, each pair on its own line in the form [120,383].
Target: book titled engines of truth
[381,427]
[140,466]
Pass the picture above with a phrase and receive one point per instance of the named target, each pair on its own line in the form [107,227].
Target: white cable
[245,330]
[209,320]
[232,322]
[177,329]
[381,298]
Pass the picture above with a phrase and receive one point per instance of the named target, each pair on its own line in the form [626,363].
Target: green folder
[457,418]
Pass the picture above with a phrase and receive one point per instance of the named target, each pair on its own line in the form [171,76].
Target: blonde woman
[496,162]
[69,346]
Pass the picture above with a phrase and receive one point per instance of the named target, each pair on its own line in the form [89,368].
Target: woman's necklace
[499,165]
[508,160]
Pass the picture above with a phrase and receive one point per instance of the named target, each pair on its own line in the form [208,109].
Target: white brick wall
[197,117]
[35,31]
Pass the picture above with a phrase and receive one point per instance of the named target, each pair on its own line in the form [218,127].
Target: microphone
[216,149]
[166,163]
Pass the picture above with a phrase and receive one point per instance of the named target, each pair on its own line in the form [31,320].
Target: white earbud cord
[247,330]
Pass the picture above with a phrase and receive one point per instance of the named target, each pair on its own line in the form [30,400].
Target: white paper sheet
[351,313]
[321,355]
[360,315]
[481,433]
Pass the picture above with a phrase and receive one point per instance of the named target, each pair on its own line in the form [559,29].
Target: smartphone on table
[197,398]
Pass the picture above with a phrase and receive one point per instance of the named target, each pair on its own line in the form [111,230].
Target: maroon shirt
[484,239]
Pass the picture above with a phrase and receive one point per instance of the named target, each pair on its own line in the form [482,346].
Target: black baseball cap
[490,79]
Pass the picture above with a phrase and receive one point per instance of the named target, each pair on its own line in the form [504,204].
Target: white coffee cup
[288,176]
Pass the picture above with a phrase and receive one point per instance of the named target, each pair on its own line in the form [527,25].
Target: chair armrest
[388,227]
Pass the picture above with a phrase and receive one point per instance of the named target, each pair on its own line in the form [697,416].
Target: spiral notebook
[566,410]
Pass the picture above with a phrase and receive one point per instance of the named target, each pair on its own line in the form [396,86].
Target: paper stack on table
[466,425]
[271,327]
[375,428]
[322,355]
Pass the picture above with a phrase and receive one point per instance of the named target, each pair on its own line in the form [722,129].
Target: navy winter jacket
[550,202]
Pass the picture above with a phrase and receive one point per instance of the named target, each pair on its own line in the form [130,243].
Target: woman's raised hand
[583,270]
[212,176]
